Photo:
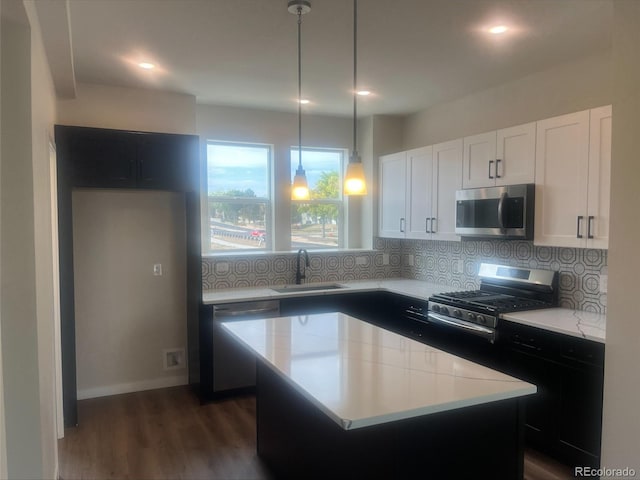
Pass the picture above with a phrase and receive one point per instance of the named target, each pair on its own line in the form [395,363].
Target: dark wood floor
[167,434]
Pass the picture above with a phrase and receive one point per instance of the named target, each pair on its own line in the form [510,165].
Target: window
[317,223]
[238,196]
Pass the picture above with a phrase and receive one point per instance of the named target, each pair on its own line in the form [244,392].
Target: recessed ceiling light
[146,65]
[363,93]
[498,29]
[304,101]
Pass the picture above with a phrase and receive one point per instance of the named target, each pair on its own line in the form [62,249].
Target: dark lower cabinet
[564,418]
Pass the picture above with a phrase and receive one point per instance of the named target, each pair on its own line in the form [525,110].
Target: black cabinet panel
[164,161]
[101,158]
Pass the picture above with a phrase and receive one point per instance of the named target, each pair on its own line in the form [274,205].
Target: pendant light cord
[299,89]
[355,77]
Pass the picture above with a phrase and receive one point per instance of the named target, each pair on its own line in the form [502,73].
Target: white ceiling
[412,53]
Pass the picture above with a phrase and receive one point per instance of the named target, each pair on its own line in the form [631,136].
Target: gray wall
[568,88]
[621,435]
[125,316]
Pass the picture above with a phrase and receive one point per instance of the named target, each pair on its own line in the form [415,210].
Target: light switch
[157,269]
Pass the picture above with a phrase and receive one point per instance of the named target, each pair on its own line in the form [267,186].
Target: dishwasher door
[234,367]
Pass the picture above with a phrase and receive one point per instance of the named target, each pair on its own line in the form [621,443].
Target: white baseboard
[107,390]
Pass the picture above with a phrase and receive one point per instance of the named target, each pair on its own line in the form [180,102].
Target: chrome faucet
[299,273]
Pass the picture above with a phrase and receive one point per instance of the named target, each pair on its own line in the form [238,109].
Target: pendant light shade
[300,186]
[354,180]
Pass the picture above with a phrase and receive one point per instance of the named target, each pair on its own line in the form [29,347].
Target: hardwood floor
[167,434]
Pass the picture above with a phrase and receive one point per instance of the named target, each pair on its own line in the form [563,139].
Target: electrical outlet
[157,269]
[604,280]
[460,266]
[385,259]
[361,260]
[222,267]
[410,260]
[173,358]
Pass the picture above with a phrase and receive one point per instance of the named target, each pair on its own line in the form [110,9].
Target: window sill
[286,252]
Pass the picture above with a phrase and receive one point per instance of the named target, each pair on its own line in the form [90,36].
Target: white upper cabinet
[599,189]
[392,201]
[573,158]
[503,157]
[417,192]
[447,178]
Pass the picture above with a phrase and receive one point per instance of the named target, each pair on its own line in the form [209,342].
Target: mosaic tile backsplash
[449,263]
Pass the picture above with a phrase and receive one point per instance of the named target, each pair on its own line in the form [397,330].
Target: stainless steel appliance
[502,212]
[233,367]
[503,289]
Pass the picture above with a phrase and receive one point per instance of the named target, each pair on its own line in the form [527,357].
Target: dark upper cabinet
[163,161]
[100,158]
[103,158]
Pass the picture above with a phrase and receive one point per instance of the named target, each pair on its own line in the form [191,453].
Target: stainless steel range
[503,289]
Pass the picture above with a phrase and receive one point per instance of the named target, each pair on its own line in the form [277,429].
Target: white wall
[621,435]
[21,376]
[568,88]
[128,109]
[3,446]
[126,316]
[281,130]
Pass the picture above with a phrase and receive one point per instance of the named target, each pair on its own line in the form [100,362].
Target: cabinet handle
[433,224]
[497,163]
[589,223]
[490,165]
[578,235]
[402,225]
[426,225]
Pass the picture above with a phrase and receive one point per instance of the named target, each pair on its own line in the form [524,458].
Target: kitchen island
[337,396]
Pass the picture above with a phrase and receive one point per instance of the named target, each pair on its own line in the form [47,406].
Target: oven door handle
[484,332]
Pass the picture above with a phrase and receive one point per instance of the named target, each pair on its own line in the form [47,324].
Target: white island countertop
[362,375]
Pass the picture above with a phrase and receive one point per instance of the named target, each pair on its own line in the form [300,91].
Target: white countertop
[403,286]
[577,323]
[362,375]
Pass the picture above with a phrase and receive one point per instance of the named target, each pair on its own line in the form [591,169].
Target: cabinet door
[562,155]
[447,170]
[419,189]
[516,155]
[479,165]
[165,161]
[393,177]
[101,158]
[580,415]
[599,178]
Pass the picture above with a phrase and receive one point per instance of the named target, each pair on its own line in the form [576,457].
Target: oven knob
[444,310]
[435,308]
[456,313]
[481,319]
[471,316]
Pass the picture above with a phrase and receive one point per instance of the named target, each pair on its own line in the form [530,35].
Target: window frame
[266,201]
[340,202]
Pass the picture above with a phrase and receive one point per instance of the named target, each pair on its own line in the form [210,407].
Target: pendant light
[354,181]
[300,187]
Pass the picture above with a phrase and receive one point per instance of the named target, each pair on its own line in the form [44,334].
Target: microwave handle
[503,197]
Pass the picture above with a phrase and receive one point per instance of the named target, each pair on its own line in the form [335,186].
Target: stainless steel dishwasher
[233,367]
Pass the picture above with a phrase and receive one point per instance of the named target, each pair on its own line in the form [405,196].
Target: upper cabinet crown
[103,158]
[502,157]
[573,164]
[417,192]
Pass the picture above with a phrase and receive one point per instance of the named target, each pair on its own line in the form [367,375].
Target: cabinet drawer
[582,351]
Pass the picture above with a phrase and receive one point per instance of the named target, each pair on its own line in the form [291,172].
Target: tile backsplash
[449,263]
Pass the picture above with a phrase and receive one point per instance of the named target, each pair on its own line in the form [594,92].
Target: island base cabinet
[298,440]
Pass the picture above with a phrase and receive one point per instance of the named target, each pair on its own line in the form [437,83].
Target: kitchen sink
[307,288]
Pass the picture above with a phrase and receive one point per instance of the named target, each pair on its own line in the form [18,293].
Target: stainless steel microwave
[496,212]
